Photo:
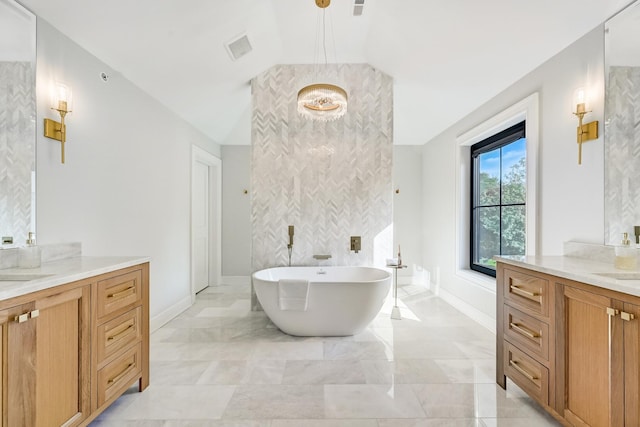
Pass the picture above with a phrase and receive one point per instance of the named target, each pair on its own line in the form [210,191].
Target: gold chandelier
[322,101]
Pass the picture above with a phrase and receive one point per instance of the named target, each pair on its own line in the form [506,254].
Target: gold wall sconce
[586,131]
[60,102]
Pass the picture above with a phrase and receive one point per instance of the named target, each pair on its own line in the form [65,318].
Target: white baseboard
[469,310]
[165,316]
[235,280]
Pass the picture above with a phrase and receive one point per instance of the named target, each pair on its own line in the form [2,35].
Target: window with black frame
[498,198]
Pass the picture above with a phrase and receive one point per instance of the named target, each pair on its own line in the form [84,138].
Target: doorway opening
[206,220]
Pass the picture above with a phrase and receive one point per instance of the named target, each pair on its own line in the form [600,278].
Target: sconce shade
[580,101]
[61,99]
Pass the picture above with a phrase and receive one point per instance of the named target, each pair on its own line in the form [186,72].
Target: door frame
[198,155]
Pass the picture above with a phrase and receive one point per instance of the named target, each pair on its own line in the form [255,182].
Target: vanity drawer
[119,374]
[115,293]
[119,333]
[526,292]
[527,373]
[526,332]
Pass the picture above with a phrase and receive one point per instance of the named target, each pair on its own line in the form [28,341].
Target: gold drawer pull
[121,334]
[521,370]
[21,318]
[524,331]
[612,312]
[120,375]
[521,291]
[34,314]
[125,292]
[627,316]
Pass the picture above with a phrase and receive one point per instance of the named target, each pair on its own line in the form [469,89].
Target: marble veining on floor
[219,364]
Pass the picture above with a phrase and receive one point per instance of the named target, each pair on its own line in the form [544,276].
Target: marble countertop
[581,270]
[56,273]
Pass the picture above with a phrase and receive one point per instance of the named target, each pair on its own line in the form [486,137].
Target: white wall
[407,209]
[125,187]
[236,210]
[571,197]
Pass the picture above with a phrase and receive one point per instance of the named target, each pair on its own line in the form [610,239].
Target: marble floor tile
[268,402]
[216,351]
[243,372]
[493,401]
[178,372]
[542,421]
[431,422]
[303,350]
[219,364]
[371,401]
[323,372]
[324,423]
[468,370]
[343,350]
[165,402]
[477,349]
[427,350]
[195,335]
[447,400]
[403,371]
[238,308]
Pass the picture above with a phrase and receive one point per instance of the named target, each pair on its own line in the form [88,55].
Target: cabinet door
[18,362]
[631,317]
[63,358]
[589,329]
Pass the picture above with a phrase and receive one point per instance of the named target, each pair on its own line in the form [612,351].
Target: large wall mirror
[622,124]
[17,121]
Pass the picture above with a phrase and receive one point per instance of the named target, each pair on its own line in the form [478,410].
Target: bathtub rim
[385,274]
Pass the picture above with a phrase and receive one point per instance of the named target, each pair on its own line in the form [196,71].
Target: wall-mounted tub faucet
[290,245]
[355,243]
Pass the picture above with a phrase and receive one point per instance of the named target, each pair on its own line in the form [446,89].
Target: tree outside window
[498,186]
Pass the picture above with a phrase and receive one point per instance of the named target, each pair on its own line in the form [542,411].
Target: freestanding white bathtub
[340,300]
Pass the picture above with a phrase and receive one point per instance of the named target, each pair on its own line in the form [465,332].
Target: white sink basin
[634,275]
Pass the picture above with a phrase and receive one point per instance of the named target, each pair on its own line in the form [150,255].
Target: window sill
[476,278]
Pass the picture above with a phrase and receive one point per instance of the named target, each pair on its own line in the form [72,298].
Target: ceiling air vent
[358,6]
[238,47]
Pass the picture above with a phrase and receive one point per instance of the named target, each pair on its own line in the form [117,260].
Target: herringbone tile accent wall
[329,180]
[17,153]
[622,153]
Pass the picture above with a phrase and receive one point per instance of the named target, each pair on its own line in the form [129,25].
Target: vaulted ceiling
[446,57]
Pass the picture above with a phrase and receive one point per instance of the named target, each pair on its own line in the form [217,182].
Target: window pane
[489,178]
[487,236]
[513,230]
[514,172]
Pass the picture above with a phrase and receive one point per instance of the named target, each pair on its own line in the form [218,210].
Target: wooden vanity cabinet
[45,358]
[525,326]
[121,334]
[67,352]
[600,338]
[576,354]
